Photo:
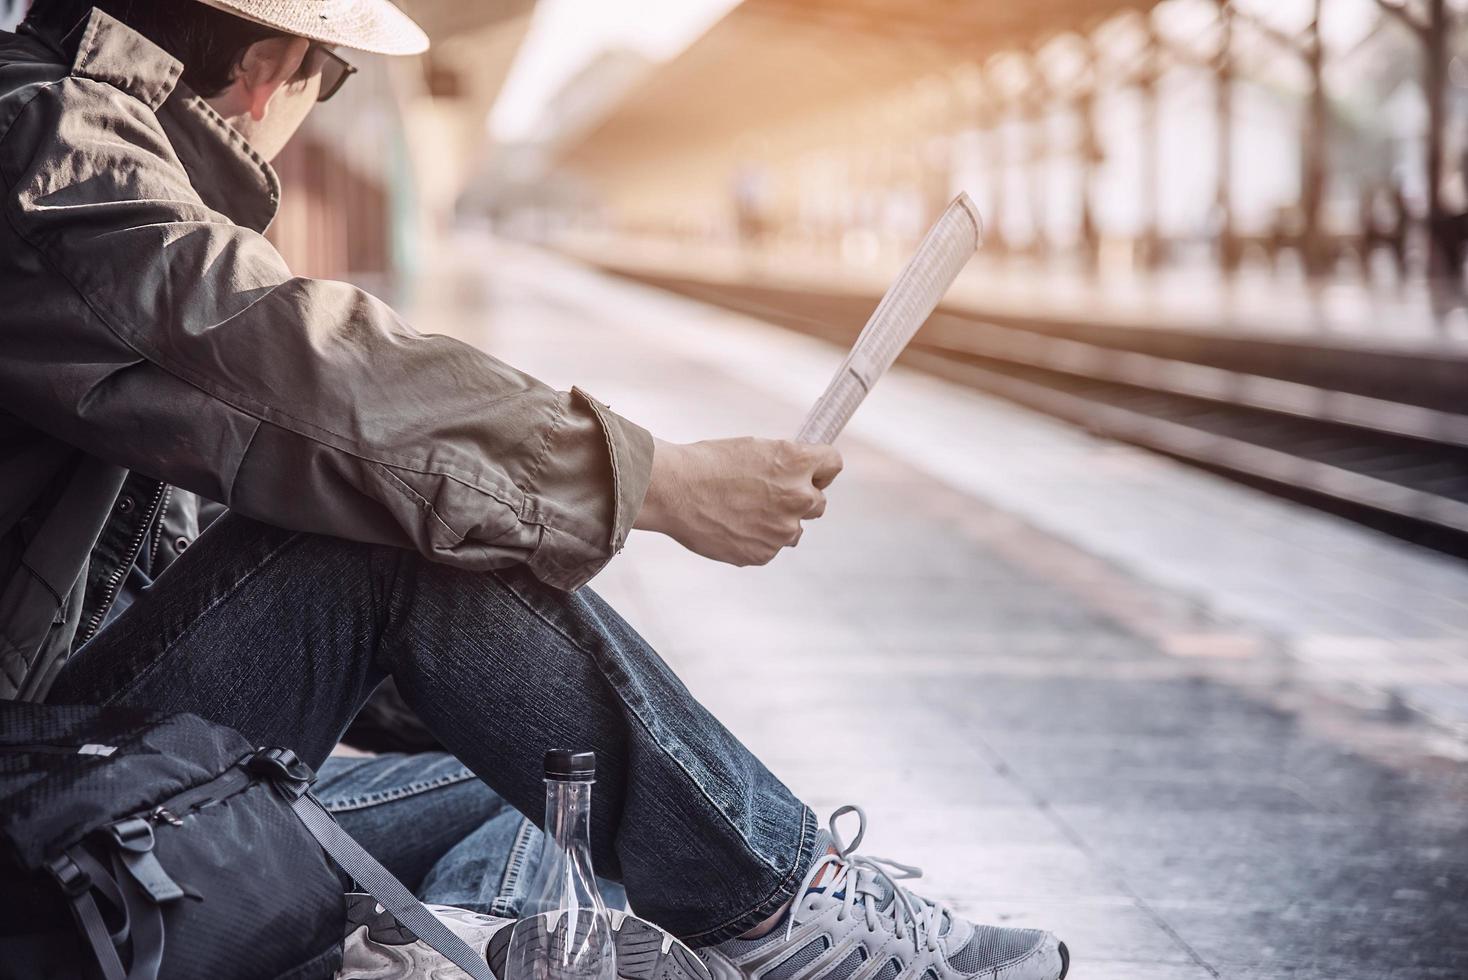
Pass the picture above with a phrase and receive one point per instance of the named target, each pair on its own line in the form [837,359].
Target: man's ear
[265,67]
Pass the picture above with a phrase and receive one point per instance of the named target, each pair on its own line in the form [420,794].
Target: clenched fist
[737,500]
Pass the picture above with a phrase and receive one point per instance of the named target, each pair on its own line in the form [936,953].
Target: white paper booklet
[909,301]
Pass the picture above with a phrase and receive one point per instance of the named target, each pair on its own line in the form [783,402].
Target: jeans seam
[224,594]
[361,802]
[514,868]
[645,727]
[394,601]
[385,605]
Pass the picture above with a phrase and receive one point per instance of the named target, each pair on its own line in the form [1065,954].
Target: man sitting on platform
[400,505]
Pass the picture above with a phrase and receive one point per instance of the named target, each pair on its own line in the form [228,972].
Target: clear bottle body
[564,932]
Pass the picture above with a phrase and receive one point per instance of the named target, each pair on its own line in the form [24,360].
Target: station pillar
[1228,247]
[1314,146]
[1445,251]
[1149,239]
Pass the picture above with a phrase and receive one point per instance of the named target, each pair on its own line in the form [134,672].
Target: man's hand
[737,500]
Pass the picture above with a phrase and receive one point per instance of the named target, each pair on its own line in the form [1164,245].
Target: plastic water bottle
[564,932]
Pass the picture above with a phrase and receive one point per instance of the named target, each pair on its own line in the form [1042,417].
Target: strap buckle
[134,840]
[69,875]
[283,768]
[135,835]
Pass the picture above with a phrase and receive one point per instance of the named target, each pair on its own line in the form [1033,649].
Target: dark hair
[209,42]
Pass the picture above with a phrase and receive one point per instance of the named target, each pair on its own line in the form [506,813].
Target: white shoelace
[864,876]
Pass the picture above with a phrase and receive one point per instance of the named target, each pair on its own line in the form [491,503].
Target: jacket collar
[229,176]
[110,51]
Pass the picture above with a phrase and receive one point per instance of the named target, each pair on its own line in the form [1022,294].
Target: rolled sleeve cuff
[587,491]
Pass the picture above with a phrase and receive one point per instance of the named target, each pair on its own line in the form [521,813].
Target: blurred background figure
[1148,564]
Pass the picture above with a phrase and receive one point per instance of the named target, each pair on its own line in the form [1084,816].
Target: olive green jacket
[147,327]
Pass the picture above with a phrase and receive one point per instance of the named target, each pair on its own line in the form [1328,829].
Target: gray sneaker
[852,921]
[377,947]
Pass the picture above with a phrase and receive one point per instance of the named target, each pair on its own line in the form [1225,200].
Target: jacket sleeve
[153,332]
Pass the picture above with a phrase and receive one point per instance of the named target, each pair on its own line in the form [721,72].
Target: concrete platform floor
[1197,731]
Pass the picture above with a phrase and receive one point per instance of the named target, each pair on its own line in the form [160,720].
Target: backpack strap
[84,908]
[79,874]
[393,894]
[293,778]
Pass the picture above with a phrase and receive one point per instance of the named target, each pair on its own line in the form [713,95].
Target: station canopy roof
[444,20]
[980,27]
[773,60]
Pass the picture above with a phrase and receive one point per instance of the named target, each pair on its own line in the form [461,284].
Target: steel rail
[1393,456]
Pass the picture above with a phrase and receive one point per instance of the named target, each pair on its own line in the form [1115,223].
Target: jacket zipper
[158,537]
[115,581]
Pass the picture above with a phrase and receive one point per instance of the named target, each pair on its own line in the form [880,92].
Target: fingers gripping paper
[941,256]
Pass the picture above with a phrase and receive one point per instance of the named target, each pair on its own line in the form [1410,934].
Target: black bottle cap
[563,764]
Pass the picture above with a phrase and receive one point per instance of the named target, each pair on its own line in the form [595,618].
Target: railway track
[1379,438]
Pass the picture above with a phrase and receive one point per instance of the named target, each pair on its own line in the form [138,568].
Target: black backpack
[141,846]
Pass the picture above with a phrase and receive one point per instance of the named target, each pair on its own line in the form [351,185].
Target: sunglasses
[335,70]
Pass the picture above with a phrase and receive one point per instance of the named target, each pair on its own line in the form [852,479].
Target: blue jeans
[440,829]
[282,635]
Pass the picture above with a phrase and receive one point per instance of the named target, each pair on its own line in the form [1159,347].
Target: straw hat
[367,25]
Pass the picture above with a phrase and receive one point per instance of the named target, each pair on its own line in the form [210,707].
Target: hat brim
[376,26]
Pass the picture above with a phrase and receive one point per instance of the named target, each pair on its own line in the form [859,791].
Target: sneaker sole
[644,952]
